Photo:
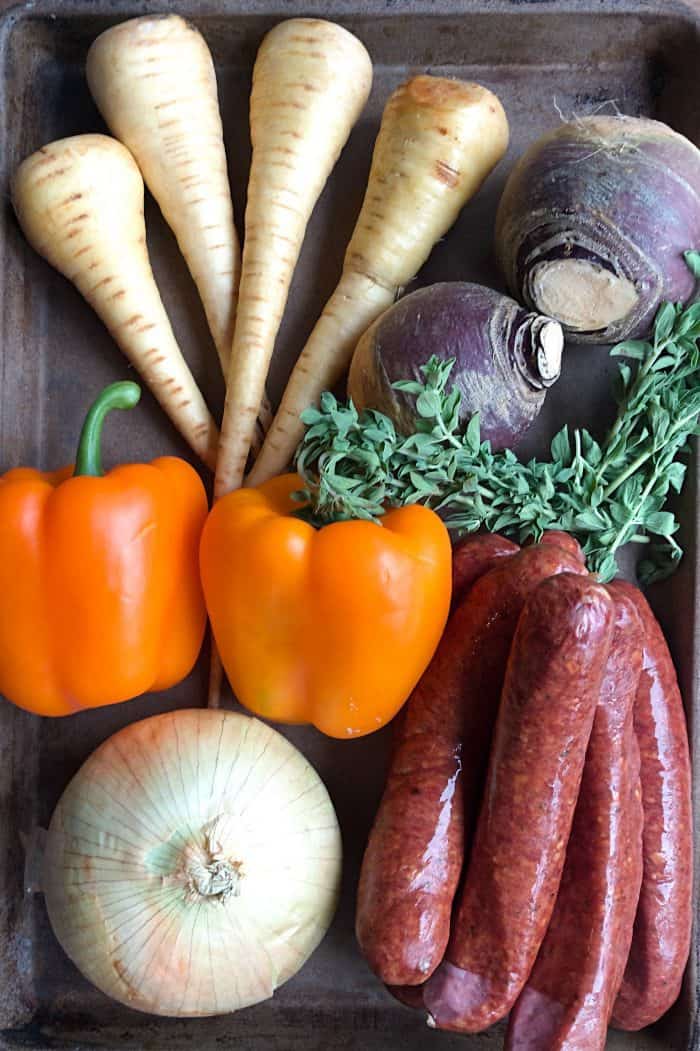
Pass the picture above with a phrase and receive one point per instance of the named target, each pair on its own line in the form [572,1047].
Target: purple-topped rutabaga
[505,357]
[593,223]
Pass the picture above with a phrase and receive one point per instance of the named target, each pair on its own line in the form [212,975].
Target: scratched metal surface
[540,56]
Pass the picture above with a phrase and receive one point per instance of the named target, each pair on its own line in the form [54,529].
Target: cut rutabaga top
[192,864]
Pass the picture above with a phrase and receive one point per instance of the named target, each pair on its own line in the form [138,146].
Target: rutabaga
[505,359]
[593,223]
[192,864]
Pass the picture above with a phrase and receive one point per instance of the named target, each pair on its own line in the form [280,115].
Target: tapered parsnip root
[80,204]
[310,82]
[437,142]
[153,80]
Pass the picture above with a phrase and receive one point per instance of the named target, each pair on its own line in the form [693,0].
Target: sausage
[428,810]
[408,995]
[474,556]
[471,558]
[415,850]
[564,541]
[569,996]
[661,940]
[549,699]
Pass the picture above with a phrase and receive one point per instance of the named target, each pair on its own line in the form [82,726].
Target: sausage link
[564,541]
[408,995]
[662,930]
[415,850]
[471,558]
[549,700]
[569,996]
[474,556]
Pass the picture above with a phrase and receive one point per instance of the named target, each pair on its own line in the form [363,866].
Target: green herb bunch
[605,494]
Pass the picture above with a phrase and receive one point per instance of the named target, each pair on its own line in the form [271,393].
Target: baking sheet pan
[543,59]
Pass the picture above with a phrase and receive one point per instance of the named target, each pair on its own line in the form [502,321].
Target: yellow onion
[192,864]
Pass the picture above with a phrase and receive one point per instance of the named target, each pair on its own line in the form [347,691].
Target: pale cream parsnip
[437,142]
[79,202]
[171,123]
[310,82]
[153,80]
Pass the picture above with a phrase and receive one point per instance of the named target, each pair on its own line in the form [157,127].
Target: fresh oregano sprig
[606,494]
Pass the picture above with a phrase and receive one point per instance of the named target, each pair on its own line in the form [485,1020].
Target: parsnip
[153,80]
[80,204]
[310,82]
[437,142]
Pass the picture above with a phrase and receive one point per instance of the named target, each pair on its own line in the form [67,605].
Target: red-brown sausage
[408,995]
[569,996]
[415,850]
[662,930]
[564,541]
[549,698]
[474,556]
[471,558]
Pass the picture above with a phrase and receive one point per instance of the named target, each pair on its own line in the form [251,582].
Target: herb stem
[679,426]
[624,418]
[631,469]
[620,536]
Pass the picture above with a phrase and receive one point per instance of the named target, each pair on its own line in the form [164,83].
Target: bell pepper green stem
[123,395]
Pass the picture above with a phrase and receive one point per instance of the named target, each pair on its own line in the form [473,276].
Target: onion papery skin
[193,864]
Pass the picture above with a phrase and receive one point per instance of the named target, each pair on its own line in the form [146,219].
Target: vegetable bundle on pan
[594,221]
[311,80]
[437,142]
[79,202]
[192,864]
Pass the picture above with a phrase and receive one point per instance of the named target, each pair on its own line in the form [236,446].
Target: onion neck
[209,876]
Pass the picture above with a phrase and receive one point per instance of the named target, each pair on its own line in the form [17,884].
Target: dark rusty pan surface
[542,57]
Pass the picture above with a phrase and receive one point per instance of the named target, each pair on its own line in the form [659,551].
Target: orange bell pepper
[100,597]
[331,626]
